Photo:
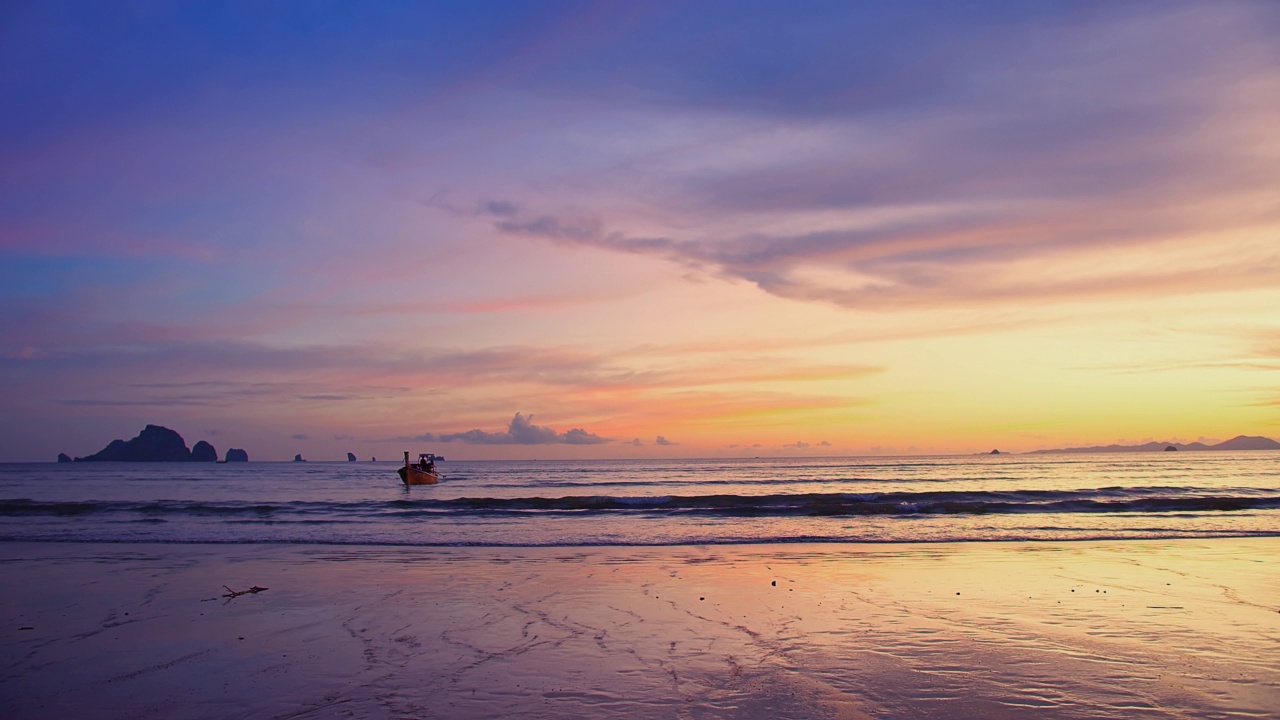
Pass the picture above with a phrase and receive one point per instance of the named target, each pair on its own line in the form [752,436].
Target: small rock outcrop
[153,444]
[1171,449]
[351,457]
[63,457]
[994,452]
[237,455]
[298,458]
[204,452]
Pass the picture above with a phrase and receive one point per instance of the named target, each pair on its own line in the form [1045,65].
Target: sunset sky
[592,230]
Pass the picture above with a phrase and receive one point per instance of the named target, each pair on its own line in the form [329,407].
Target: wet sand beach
[1160,629]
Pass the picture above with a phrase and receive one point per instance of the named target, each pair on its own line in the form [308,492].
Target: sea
[1113,496]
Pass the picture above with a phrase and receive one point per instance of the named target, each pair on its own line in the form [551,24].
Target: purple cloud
[522,431]
[1106,134]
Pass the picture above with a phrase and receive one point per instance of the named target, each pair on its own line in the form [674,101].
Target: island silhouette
[157,443]
[1240,442]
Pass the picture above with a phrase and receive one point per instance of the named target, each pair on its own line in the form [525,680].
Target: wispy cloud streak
[1110,139]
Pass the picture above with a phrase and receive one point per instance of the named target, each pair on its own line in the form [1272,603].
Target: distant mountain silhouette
[237,455]
[1247,442]
[1240,442]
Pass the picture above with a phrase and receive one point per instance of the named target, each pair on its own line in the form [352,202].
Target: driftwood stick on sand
[237,593]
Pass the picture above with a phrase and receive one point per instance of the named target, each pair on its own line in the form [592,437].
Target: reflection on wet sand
[1104,630]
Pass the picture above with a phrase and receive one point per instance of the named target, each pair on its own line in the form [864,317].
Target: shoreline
[1136,628]
[656,545]
[971,454]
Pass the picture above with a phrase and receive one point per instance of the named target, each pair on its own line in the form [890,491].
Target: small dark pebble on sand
[27,627]
[702,598]
[774,583]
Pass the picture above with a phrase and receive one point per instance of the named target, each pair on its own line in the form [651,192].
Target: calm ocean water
[941,499]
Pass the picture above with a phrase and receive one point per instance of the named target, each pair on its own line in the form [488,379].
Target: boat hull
[414,476]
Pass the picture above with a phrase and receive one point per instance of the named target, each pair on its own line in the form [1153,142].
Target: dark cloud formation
[522,431]
[663,441]
[498,208]
[427,437]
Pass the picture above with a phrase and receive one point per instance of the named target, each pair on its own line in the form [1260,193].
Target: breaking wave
[1146,500]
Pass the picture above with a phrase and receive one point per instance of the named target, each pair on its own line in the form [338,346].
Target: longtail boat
[422,473]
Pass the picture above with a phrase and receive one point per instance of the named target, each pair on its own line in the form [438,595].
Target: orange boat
[423,473]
